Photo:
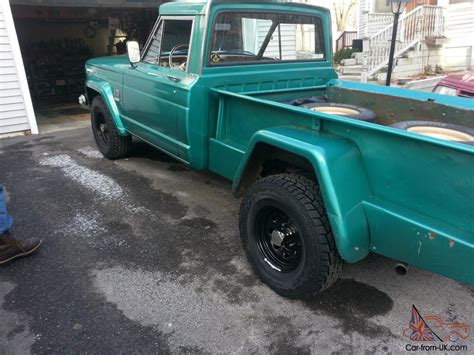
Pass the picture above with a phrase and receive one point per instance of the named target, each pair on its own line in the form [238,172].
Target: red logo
[433,328]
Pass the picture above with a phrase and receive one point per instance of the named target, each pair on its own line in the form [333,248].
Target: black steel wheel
[111,144]
[286,236]
[278,239]
[99,125]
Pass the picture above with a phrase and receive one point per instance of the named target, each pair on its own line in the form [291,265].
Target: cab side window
[152,55]
[169,45]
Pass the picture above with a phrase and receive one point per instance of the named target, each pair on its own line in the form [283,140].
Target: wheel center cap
[277,238]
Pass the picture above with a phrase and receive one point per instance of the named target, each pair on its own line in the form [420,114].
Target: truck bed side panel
[417,192]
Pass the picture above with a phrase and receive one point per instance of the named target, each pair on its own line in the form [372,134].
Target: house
[16,109]
[432,34]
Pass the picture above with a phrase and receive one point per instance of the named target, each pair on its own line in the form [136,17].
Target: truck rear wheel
[286,236]
[109,141]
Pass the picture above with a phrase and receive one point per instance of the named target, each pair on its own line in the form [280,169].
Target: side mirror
[133,50]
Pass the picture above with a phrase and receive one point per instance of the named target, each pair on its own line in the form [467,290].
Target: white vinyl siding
[459,51]
[288,40]
[15,109]
[460,25]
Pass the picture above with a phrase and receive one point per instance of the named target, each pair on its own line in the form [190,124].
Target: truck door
[150,88]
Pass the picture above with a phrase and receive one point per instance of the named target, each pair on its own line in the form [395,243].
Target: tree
[343,10]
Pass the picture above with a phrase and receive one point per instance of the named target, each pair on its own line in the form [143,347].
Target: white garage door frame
[20,68]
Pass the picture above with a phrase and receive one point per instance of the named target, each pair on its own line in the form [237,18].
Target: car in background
[457,85]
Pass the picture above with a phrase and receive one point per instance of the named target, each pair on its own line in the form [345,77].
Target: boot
[10,248]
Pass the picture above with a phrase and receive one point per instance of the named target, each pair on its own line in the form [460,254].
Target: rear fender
[105,91]
[340,172]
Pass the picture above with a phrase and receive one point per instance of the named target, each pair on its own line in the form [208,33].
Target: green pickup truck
[329,170]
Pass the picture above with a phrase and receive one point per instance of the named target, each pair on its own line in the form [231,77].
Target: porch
[420,30]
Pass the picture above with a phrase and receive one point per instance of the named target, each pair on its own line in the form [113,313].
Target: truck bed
[416,193]
[388,107]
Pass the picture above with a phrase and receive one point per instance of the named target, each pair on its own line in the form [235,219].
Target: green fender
[341,175]
[105,91]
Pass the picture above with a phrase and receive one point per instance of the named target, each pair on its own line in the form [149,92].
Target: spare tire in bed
[349,111]
[440,130]
[305,100]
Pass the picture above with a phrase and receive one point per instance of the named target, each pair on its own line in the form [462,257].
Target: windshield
[244,38]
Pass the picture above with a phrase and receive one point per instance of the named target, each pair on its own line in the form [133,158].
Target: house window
[382,6]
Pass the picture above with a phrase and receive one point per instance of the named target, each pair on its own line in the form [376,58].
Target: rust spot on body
[432,235]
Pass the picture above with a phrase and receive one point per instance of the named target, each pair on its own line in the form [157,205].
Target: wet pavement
[143,256]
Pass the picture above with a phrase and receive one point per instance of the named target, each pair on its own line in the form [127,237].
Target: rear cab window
[239,38]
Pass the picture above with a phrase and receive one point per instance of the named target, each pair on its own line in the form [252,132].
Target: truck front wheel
[286,236]
[110,143]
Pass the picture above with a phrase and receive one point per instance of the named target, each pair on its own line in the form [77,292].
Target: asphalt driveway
[143,256]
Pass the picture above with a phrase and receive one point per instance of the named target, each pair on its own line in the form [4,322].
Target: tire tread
[120,146]
[324,273]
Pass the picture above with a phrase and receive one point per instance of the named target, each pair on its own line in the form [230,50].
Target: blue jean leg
[5,220]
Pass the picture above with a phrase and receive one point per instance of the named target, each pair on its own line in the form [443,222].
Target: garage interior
[56,40]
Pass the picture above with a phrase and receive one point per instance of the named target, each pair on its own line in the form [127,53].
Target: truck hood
[118,62]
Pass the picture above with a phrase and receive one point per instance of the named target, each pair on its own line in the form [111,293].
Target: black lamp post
[398,6]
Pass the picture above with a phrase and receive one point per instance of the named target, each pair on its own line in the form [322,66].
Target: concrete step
[409,61]
[406,70]
[350,77]
[347,62]
[414,54]
[351,70]
[399,74]
[360,61]
[403,59]
[414,68]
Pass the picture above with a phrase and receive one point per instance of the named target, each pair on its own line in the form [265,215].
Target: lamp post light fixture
[397,6]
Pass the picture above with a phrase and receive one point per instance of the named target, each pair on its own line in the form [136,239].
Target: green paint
[395,193]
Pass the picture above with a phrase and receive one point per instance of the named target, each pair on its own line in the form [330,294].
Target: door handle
[174,79]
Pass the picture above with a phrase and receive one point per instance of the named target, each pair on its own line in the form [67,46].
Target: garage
[56,38]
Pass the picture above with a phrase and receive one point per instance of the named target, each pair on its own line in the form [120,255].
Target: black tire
[351,111]
[111,144]
[305,101]
[407,125]
[314,263]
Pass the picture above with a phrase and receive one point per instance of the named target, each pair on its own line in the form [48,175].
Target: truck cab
[196,46]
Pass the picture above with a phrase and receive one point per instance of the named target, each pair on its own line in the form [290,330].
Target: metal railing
[345,40]
[377,22]
[416,25]
[434,22]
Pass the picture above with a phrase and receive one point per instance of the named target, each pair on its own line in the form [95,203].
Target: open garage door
[57,38]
